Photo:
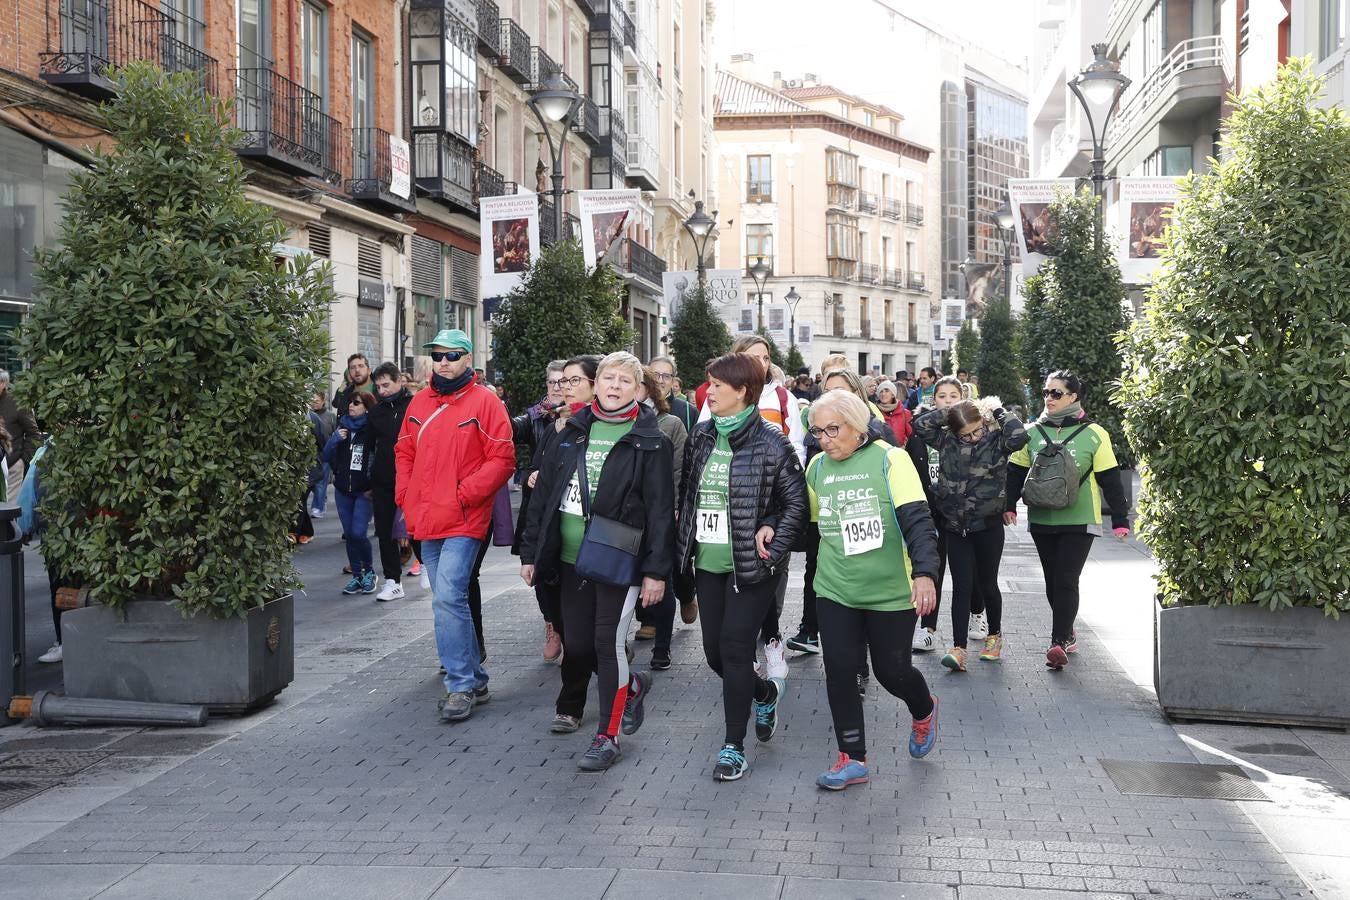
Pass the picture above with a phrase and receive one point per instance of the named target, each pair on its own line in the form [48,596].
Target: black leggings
[846,636]
[476,593]
[974,559]
[661,617]
[1063,555]
[391,560]
[730,622]
[930,621]
[595,632]
[809,622]
[769,629]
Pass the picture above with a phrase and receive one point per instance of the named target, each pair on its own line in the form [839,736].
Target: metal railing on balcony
[643,264]
[444,169]
[514,52]
[867,202]
[548,228]
[840,196]
[541,67]
[372,171]
[623,24]
[643,163]
[489,29]
[1196,53]
[490,182]
[759,191]
[913,213]
[892,209]
[618,147]
[914,281]
[587,123]
[892,278]
[284,124]
[92,36]
[868,273]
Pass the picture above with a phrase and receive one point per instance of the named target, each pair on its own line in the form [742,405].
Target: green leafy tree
[559,310]
[162,309]
[1074,315]
[995,364]
[1237,379]
[795,362]
[966,348]
[697,335]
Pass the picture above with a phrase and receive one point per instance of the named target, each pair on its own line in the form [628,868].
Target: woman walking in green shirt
[873,518]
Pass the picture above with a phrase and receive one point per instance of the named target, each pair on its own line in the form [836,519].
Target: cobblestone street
[351,769]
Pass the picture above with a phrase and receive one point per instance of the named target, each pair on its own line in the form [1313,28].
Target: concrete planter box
[149,652]
[1248,664]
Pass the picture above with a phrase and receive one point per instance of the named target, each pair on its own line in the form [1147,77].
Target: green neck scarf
[725,425]
[1066,416]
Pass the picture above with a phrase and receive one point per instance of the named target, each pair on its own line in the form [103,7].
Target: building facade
[1064,32]
[819,184]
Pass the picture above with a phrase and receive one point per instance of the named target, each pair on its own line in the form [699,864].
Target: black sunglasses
[1053,392]
[452,355]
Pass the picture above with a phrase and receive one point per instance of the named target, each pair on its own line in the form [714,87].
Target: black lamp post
[700,226]
[1098,89]
[792,298]
[556,101]
[759,271]
[1004,220]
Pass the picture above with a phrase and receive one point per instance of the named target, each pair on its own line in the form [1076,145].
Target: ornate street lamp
[759,271]
[1003,220]
[792,298]
[1098,89]
[701,227]
[556,101]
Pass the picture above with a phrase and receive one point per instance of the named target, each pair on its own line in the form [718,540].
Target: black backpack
[1054,480]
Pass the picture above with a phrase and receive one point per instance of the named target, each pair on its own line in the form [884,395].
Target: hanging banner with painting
[1030,200]
[509,241]
[605,217]
[1143,210]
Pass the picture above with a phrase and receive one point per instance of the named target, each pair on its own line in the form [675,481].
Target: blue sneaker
[845,771]
[353,587]
[924,734]
[368,582]
[731,764]
[766,713]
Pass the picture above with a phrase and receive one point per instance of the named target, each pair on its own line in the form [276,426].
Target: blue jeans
[449,563]
[319,493]
[355,511]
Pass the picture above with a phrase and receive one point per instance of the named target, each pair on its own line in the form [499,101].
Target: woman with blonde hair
[610,470]
[875,576]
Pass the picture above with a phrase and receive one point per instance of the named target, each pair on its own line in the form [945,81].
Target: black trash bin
[11,609]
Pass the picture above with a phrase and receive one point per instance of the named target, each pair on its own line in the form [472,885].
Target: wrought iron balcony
[587,123]
[444,170]
[892,278]
[914,281]
[892,209]
[490,182]
[541,67]
[913,213]
[514,52]
[869,273]
[644,264]
[372,173]
[618,147]
[867,202]
[284,125]
[86,38]
[548,232]
[489,29]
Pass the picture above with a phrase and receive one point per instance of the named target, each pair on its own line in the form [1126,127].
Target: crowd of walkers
[639,498]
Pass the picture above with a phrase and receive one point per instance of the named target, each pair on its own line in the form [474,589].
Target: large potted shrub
[1237,397]
[171,356]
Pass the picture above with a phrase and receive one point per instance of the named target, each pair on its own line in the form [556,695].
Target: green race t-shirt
[1091,451]
[603,437]
[712,527]
[863,562]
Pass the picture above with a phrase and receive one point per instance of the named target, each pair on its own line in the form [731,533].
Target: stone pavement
[349,787]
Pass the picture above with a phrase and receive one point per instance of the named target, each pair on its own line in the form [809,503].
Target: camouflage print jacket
[971,487]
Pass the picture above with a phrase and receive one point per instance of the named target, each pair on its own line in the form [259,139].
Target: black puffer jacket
[972,485]
[636,487]
[385,421]
[533,429]
[766,488]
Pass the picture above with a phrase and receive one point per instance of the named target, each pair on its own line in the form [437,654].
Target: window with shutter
[426,266]
[463,277]
[321,241]
[369,260]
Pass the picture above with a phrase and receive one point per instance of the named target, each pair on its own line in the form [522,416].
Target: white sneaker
[392,591]
[775,663]
[426,579]
[316,514]
[979,627]
[924,641]
[53,655]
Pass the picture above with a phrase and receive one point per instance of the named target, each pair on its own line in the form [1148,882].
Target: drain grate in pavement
[1170,779]
[1274,749]
[345,651]
[49,763]
[14,791]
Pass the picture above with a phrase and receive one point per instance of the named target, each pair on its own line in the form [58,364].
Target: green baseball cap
[451,338]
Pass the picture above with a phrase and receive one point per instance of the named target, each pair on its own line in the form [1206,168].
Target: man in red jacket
[453,454]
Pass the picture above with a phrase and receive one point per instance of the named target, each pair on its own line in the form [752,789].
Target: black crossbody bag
[610,548]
